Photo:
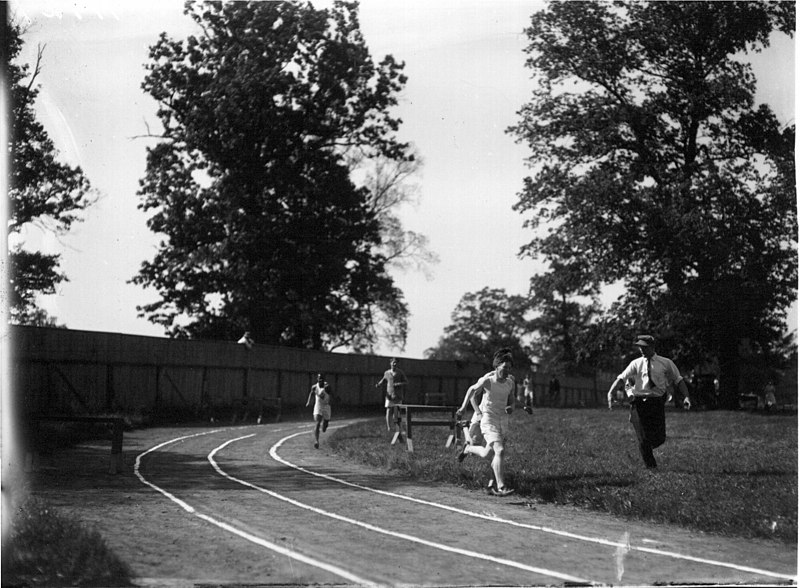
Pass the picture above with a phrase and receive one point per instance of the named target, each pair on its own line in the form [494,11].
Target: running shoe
[504,491]
[490,489]
[528,409]
[316,445]
[463,453]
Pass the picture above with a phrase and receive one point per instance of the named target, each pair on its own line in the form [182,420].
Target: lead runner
[499,388]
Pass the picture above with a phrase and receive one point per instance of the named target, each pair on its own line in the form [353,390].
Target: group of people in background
[394,380]
[529,393]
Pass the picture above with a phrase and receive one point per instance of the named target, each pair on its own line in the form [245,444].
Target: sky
[466,81]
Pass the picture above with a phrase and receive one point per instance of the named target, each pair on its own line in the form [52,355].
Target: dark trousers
[649,422]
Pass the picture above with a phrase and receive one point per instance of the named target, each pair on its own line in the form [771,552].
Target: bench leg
[452,439]
[409,440]
[398,426]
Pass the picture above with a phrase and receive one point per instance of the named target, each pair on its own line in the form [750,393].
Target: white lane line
[600,541]
[342,573]
[404,536]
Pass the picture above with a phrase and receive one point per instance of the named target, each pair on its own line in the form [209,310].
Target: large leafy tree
[264,228]
[653,164]
[484,322]
[43,191]
[565,299]
[389,183]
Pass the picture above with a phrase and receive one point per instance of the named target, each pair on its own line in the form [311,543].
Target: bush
[48,549]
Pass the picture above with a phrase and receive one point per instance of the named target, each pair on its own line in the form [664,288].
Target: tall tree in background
[482,323]
[654,165]
[42,191]
[264,228]
[389,184]
[566,301]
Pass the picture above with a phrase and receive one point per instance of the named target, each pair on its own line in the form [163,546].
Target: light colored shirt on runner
[322,402]
[662,373]
[495,394]
[392,378]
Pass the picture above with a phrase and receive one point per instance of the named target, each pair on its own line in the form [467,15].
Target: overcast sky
[466,80]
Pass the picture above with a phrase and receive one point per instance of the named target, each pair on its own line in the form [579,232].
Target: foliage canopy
[264,229]
[653,166]
[482,323]
[43,191]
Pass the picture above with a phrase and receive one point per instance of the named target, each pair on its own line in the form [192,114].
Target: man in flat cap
[652,377]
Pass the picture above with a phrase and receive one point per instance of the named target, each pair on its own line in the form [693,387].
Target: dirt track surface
[258,505]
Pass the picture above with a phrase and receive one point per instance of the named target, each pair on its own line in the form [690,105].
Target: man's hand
[459,414]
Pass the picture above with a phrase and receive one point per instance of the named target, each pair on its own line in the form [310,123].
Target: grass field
[727,472]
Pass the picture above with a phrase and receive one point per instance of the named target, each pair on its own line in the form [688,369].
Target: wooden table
[409,411]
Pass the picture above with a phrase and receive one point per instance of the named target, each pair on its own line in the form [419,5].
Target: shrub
[45,548]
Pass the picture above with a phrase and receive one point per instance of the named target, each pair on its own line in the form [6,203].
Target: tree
[264,227]
[42,191]
[653,165]
[563,319]
[388,184]
[482,323]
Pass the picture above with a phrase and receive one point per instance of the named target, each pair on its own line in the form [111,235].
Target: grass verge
[45,548]
[726,472]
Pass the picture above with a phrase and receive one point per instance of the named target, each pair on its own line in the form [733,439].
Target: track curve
[338,522]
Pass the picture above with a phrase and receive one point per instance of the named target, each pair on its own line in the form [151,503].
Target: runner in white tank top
[321,392]
[497,404]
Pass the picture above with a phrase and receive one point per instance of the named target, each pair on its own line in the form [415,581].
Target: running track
[337,523]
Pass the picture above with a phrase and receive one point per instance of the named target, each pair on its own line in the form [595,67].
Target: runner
[321,391]
[498,389]
[395,380]
[472,428]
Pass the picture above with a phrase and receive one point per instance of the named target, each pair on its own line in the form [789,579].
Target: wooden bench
[117,424]
[407,412]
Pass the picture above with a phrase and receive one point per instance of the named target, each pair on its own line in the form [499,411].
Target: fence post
[109,386]
[157,399]
[116,447]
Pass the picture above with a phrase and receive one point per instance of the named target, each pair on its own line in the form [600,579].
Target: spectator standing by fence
[527,384]
[553,390]
[769,396]
[652,376]
[395,381]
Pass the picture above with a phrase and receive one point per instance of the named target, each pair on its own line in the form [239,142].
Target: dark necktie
[651,383]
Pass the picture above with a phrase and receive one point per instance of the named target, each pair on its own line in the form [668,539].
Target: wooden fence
[68,371]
